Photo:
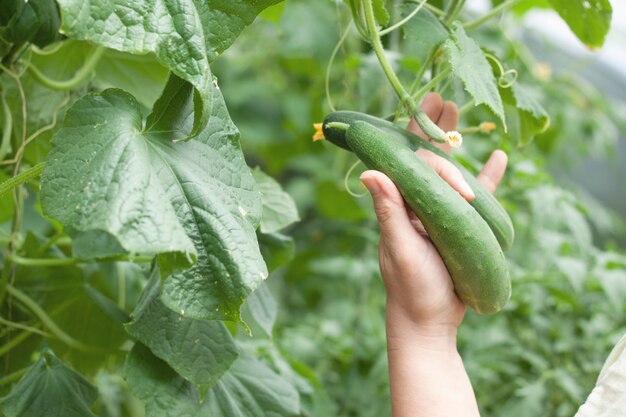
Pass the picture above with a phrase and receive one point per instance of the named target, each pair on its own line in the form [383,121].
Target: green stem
[431,130]
[457,10]
[45,319]
[18,260]
[25,327]
[420,74]
[5,142]
[342,39]
[13,377]
[403,21]
[432,83]
[21,178]
[467,107]
[374,38]
[14,342]
[78,77]
[493,12]
[435,10]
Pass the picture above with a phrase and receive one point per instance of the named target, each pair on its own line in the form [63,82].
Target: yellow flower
[319,133]
[454,138]
[487,127]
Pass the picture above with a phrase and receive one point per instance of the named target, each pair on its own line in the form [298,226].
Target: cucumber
[465,242]
[484,203]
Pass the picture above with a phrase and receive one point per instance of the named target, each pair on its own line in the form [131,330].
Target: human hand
[420,292]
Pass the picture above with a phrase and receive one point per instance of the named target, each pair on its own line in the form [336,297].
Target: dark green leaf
[50,389]
[248,389]
[526,116]
[277,249]
[200,351]
[130,189]
[469,63]
[279,209]
[590,20]
[35,21]
[185,35]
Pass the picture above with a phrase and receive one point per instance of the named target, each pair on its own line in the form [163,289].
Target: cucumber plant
[137,247]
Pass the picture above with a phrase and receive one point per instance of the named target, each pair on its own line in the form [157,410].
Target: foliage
[134,271]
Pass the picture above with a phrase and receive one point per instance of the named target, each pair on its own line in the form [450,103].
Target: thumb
[395,224]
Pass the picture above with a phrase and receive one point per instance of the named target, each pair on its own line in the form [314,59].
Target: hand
[420,293]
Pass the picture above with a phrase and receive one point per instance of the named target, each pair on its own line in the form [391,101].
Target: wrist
[404,332]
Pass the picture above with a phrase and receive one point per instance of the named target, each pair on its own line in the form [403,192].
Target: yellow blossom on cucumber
[319,133]
[454,139]
[487,127]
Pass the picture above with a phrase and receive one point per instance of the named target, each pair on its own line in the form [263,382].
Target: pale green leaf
[248,389]
[185,35]
[468,62]
[119,187]
[380,12]
[50,389]
[424,29]
[590,20]
[525,114]
[279,209]
[263,308]
[200,351]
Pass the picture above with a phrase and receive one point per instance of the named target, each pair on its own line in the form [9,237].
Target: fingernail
[371,185]
[469,193]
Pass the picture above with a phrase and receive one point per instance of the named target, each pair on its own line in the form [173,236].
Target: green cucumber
[484,203]
[465,242]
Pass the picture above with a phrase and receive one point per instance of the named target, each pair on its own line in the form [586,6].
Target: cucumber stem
[496,10]
[428,127]
[78,77]
[21,178]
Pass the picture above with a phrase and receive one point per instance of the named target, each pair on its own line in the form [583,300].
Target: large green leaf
[590,20]
[279,209]
[185,35]
[469,63]
[50,389]
[248,389]
[120,187]
[200,351]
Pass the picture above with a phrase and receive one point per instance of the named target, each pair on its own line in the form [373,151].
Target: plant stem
[435,10]
[13,377]
[14,342]
[493,12]
[21,326]
[78,77]
[403,21]
[52,262]
[432,83]
[45,319]
[420,74]
[5,142]
[342,39]
[21,178]
[370,19]
[467,107]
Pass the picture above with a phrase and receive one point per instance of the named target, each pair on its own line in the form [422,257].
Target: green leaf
[200,351]
[279,209]
[263,308]
[590,20]
[248,389]
[277,249]
[469,63]
[185,35]
[424,29]
[140,75]
[35,21]
[525,114]
[380,12]
[50,389]
[119,187]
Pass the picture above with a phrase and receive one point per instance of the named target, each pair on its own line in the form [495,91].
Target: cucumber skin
[465,242]
[485,203]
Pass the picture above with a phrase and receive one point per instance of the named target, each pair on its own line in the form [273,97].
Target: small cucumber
[484,203]
[465,242]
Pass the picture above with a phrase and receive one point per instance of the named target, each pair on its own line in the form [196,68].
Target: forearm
[426,372]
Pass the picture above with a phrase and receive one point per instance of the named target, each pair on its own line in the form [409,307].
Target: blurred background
[565,192]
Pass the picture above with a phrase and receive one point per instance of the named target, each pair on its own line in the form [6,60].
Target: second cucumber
[465,242]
